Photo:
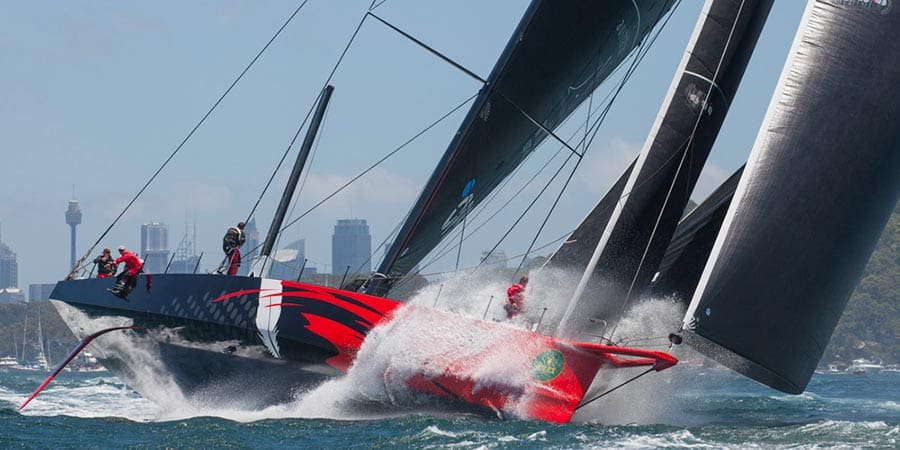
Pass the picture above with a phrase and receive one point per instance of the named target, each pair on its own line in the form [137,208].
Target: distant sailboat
[42,362]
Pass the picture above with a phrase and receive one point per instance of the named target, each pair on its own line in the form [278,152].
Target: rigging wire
[186,138]
[477,77]
[308,114]
[501,94]
[687,151]
[494,194]
[639,55]
[374,5]
[380,246]
[609,391]
[482,207]
[371,167]
[530,205]
[605,105]
[475,266]
[449,243]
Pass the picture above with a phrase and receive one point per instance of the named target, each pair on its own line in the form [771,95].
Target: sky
[96,95]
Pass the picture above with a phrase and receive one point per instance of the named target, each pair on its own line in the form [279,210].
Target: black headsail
[821,182]
[559,53]
[645,216]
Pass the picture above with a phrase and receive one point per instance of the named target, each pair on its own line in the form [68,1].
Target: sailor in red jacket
[515,297]
[127,280]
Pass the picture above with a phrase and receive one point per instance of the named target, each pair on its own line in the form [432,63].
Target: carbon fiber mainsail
[821,182]
[559,53]
[646,214]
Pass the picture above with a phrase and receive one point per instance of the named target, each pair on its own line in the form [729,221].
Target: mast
[264,254]
[42,356]
[24,334]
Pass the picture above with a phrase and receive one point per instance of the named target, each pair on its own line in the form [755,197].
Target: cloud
[604,168]
[377,188]
[607,164]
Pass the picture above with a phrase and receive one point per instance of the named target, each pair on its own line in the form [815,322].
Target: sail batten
[559,53]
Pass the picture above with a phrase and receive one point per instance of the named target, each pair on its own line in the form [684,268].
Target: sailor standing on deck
[515,297]
[127,280]
[231,245]
[105,266]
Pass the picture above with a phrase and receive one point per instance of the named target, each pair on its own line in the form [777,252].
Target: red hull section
[494,365]
[524,373]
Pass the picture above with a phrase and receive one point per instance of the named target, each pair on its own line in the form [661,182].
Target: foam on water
[419,342]
[87,398]
[141,356]
[649,399]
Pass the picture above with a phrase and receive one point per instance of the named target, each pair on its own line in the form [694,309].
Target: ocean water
[684,407]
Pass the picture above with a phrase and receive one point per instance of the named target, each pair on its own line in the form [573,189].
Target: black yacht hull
[216,339]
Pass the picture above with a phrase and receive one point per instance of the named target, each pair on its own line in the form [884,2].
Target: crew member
[105,266]
[515,297]
[231,245]
[127,280]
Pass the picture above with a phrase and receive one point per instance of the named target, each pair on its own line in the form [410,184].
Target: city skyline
[156,252]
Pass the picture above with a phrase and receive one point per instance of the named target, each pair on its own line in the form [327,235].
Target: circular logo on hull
[547,365]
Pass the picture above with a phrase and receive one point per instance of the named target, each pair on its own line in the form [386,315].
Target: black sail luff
[659,187]
[822,180]
[559,53]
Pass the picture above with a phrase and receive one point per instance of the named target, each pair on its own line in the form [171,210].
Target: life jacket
[105,265]
[234,237]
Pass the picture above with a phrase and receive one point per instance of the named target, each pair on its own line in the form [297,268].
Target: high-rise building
[250,249]
[288,262]
[9,268]
[73,218]
[40,291]
[154,246]
[497,258]
[351,245]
